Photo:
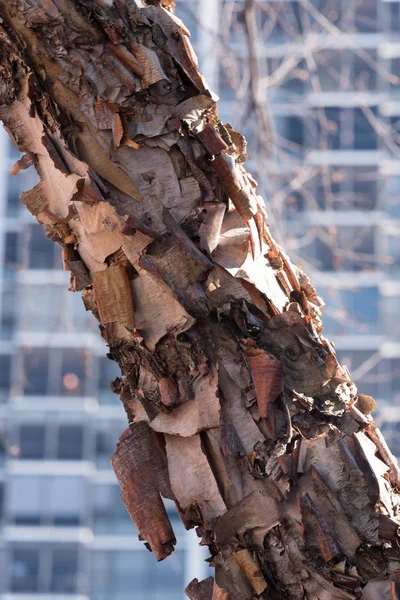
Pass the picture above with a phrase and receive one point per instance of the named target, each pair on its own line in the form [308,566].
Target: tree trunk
[238,409]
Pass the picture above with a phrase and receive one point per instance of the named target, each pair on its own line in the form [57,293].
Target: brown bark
[238,409]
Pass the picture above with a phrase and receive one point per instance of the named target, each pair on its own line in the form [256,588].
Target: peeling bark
[238,409]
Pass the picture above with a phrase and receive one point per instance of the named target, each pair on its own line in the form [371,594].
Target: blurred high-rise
[328,71]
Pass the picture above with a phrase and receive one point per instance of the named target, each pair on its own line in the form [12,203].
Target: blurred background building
[319,102]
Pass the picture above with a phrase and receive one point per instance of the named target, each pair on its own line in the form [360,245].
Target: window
[365,18]
[11,260]
[58,309]
[395,69]
[291,133]
[390,195]
[5,376]
[329,127]
[40,316]
[329,70]
[1,499]
[25,180]
[365,137]
[35,371]
[107,436]
[394,16]
[44,568]
[13,151]
[346,188]
[32,441]
[108,371]
[330,9]
[42,253]
[25,570]
[292,85]
[8,315]
[66,500]
[113,573]
[70,442]
[353,310]
[364,75]
[46,500]
[25,500]
[342,248]
[64,570]
[365,187]
[109,514]
[74,369]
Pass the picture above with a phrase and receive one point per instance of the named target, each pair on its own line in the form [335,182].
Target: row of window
[122,575]
[57,372]
[47,438]
[69,501]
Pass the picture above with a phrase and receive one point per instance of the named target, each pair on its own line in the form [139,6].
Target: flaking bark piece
[252,570]
[140,468]
[220,594]
[233,183]
[239,431]
[211,140]
[80,278]
[365,404]
[338,467]
[210,229]
[316,530]
[26,161]
[200,590]
[394,470]
[191,417]
[266,372]
[152,71]
[169,392]
[345,535]
[257,513]
[114,296]
[322,589]
[230,577]
[157,310]
[127,58]
[176,42]
[192,480]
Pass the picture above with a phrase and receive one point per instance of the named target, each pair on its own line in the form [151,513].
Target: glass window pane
[75,368]
[25,499]
[25,570]
[107,436]
[70,442]
[64,570]
[43,253]
[66,499]
[113,573]
[8,316]
[32,441]
[109,513]
[108,370]
[35,371]
[5,376]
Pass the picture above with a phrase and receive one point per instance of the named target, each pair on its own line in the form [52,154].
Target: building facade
[332,179]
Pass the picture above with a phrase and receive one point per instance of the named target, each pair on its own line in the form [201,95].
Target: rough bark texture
[238,409]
